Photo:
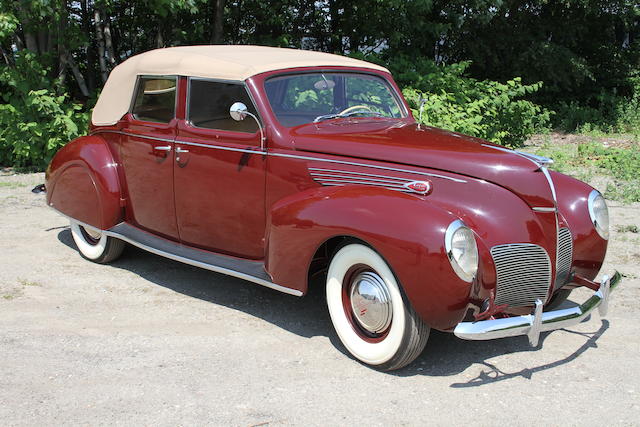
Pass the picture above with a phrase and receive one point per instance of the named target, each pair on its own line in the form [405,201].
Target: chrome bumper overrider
[533,324]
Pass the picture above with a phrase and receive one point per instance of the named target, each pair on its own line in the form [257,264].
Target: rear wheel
[94,245]
[369,312]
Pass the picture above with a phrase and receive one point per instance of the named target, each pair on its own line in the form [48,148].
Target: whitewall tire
[369,312]
[94,245]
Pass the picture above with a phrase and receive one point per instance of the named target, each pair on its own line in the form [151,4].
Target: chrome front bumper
[533,324]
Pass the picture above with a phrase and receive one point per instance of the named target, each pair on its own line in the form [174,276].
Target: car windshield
[314,97]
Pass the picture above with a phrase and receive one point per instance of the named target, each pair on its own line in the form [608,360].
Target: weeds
[25,282]
[627,229]
[620,164]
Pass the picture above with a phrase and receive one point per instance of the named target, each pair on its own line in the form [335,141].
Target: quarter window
[209,104]
[155,99]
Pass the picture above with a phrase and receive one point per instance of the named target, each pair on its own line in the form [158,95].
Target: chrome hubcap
[371,302]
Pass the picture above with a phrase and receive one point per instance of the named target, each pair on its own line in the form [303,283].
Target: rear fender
[412,243]
[82,183]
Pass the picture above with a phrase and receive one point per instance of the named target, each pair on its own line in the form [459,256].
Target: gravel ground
[148,341]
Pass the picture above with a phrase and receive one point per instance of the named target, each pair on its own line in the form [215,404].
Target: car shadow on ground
[445,354]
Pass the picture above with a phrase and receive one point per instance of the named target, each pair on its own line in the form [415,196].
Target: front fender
[82,183]
[589,249]
[406,230]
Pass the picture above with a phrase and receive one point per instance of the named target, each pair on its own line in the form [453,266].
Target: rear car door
[219,176]
[147,155]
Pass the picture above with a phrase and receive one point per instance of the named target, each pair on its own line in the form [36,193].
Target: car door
[219,176]
[147,155]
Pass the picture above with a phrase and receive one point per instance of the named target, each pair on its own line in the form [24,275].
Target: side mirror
[238,112]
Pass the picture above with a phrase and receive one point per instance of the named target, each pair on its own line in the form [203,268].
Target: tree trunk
[101,51]
[111,57]
[62,69]
[42,41]
[31,42]
[30,39]
[68,59]
[218,20]
[159,39]
[91,55]
[6,57]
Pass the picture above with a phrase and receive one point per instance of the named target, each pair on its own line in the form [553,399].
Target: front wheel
[368,311]
[94,245]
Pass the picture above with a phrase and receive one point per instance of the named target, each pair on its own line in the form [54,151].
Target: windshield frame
[393,90]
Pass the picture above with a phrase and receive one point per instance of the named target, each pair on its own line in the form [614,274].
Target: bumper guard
[533,324]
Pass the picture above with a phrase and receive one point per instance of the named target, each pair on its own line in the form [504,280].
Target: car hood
[407,143]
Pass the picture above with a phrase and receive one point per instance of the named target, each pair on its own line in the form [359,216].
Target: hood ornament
[540,160]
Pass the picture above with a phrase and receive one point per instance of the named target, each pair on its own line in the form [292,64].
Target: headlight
[460,244]
[599,214]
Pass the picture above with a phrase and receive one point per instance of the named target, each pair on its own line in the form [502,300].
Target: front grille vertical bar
[564,257]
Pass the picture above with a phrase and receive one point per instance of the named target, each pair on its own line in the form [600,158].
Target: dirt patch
[559,138]
[148,341]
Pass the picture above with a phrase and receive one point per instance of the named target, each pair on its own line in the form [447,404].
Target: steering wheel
[355,108]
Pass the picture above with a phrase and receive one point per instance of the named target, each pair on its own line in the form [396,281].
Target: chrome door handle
[181,150]
[163,148]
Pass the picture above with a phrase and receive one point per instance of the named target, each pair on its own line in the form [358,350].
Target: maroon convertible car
[276,165]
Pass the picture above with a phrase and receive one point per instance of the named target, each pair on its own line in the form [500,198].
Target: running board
[252,271]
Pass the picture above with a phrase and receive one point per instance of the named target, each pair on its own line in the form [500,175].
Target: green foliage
[34,123]
[612,113]
[586,52]
[621,165]
[486,109]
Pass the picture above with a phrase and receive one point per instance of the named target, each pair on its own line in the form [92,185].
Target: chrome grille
[523,273]
[564,257]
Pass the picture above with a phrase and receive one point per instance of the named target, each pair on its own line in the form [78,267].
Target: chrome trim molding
[538,321]
[206,266]
[292,156]
[552,186]
[543,209]
[218,147]
[184,260]
[134,135]
[336,177]
[364,165]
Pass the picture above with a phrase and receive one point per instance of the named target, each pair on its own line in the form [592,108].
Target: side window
[209,104]
[155,99]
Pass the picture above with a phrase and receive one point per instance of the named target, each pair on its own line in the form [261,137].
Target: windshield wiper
[343,115]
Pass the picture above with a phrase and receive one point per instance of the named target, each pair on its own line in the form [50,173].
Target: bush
[486,109]
[608,112]
[35,120]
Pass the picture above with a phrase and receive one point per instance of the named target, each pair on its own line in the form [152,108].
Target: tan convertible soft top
[218,62]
